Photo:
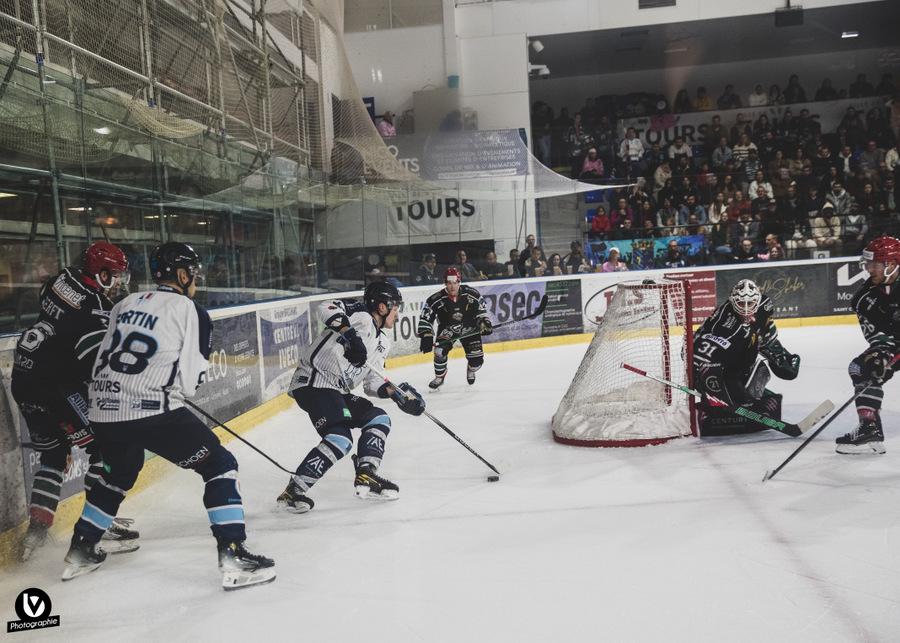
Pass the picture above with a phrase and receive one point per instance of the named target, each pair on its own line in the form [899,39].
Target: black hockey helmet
[165,260]
[381,292]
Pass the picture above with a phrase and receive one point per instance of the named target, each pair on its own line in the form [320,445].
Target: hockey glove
[408,399]
[876,365]
[485,326]
[784,365]
[354,349]
[426,343]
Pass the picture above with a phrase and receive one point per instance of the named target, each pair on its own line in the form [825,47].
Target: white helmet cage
[745,297]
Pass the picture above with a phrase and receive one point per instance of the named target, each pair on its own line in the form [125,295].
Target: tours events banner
[233,379]
[692,127]
[283,331]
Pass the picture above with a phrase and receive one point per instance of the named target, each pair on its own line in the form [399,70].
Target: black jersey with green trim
[877,308]
[726,339]
[60,347]
[464,310]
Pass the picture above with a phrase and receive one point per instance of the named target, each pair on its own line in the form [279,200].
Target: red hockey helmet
[452,275]
[882,250]
[102,255]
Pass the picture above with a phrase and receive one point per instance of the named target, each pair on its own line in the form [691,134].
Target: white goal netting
[647,326]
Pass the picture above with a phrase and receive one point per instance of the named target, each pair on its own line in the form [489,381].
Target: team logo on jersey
[33,608]
[68,294]
[457,316]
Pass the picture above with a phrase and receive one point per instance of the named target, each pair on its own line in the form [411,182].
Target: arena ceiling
[720,41]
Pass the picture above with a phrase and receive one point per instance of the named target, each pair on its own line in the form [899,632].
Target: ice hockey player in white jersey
[154,355]
[330,368]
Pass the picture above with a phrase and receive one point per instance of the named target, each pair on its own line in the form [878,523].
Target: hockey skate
[867,437]
[294,500]
[119,538]
[437,382]
[83,557]
[34,538]
[470,374]
[369,485]
[242,569]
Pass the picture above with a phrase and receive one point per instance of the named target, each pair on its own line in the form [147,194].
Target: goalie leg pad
[716,421]
[758,379]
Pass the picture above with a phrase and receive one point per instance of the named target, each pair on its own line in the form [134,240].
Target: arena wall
[256,347]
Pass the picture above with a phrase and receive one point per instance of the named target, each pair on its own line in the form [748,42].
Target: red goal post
[648,325]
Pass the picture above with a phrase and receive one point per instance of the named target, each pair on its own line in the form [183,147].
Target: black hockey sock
[101,504]
[332,448]
[45,495]
[371,443]
[440,366]
[869,403]
[93,473]
[225,508]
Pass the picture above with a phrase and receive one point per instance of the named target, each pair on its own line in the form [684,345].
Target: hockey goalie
[736,351]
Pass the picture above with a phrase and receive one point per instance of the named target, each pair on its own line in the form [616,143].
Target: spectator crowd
[756,190]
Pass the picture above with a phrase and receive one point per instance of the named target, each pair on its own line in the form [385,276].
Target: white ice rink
[680,542]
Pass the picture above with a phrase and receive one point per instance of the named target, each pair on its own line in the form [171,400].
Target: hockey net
[647,325]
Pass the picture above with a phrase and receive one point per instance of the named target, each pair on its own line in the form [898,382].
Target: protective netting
[227,94]
[646,326]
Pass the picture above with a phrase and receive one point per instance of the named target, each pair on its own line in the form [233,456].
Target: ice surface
[680,542]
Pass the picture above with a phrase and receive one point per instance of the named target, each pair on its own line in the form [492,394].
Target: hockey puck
[493,478]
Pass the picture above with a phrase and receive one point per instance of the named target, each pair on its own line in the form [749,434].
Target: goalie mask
[745,298]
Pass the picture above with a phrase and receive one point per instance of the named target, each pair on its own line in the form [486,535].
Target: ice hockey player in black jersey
[51,371]
[458,309]
[329,370]
[877,306]
[735,352]
[155,355]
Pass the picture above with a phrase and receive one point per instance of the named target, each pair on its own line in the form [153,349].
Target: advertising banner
[692,127]
[703,292]
[284,331]
[505,302]
[563,313]
[430,214]
[232,381]
[796,291]
[844,280]
[474,154]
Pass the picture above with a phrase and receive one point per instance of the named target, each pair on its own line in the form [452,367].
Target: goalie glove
[408,399]
[784,365]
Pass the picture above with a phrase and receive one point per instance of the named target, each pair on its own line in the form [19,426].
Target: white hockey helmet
[745,298]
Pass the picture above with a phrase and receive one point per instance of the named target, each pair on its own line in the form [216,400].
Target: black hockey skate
[294,500]
[34,538]
[470,374]
[83,557]
[865,438]
[119,538]
[437,382]
[370,485]
[242,569]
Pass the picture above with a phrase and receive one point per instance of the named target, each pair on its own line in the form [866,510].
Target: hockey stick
[537,311]
[247,442]
[788,428]
[439,423]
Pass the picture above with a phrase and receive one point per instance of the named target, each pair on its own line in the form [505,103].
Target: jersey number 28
[138,346]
